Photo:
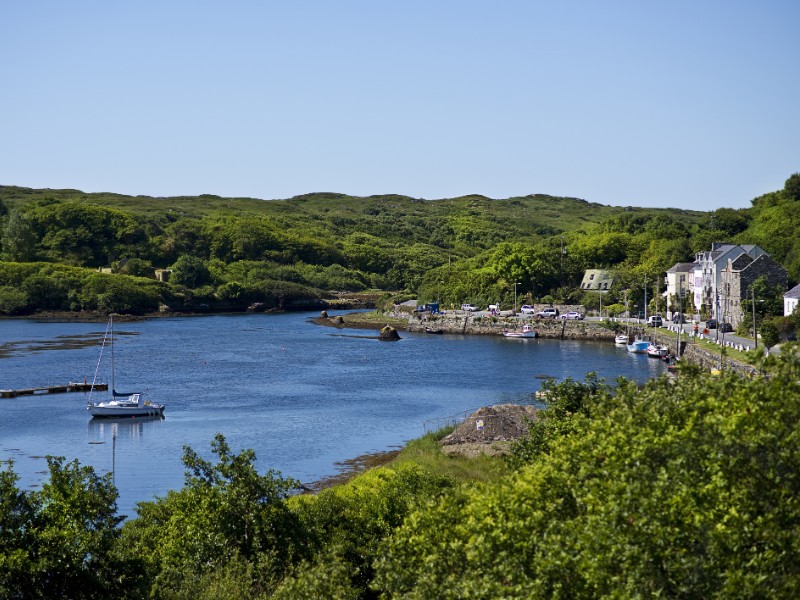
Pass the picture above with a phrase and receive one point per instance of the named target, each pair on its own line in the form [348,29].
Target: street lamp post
[516,283]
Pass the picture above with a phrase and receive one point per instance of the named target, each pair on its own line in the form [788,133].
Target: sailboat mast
[113,383]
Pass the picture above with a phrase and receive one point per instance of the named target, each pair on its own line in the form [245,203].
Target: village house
[790,300]
[707,274]
[679,282]
[597,280]
[736,278]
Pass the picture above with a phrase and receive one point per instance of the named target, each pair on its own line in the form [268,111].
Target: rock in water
[389,333]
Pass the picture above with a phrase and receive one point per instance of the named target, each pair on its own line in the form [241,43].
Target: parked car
[679,318]
[469,307]
[655,321]
[711,324]
[726,328]
[572,315]
[526,309]
[548,313]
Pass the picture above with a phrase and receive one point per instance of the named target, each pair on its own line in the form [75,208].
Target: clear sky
[689,104]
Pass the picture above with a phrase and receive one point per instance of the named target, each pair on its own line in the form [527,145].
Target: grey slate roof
[682,268]
[793,293]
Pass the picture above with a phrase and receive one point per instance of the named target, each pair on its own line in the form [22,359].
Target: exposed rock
[389,333]
[498,423]
[324,314]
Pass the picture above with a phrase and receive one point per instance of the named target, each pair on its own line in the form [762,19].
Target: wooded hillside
[233,252]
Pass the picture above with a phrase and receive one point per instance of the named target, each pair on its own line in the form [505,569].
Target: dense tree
[791,188]
[227,513]
[60,542]
[190,271]
[679,489]
[19,240]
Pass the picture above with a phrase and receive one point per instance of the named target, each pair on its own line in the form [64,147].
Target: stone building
[735,280]
[707,274]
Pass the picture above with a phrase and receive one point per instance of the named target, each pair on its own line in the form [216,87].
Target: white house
[790,300]
[680,283]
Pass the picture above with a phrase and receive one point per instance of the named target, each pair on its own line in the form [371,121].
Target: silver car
[572,315]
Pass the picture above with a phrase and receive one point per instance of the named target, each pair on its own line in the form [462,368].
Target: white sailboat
[120,404]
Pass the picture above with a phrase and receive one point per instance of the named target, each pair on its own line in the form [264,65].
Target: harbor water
[303,397]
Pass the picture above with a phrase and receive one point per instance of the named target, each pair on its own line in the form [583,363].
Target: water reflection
[103,430]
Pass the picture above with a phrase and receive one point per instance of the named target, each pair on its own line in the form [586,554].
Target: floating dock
[54,389]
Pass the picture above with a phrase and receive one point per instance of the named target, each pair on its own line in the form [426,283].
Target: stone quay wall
[471,325]
[467,324]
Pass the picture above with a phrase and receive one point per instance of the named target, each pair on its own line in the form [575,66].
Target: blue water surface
[304,397]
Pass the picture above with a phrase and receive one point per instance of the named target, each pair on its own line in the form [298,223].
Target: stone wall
[698,355]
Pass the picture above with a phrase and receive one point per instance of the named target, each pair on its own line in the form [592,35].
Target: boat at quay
[305,398]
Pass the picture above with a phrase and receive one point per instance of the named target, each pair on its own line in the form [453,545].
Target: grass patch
[426,452]
[746,357]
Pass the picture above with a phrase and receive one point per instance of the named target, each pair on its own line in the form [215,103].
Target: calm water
[303,397]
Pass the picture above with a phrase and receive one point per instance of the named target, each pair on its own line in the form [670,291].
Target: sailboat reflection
[108,430]
[131,428]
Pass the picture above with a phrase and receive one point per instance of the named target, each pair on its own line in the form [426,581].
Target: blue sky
[675,104]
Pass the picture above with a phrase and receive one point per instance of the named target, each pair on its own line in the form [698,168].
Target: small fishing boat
[527,332]
[120,404]
[638,346]
[621,339]
[657,351]
[434,331]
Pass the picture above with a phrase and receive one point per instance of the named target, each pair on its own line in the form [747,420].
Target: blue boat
[638,346]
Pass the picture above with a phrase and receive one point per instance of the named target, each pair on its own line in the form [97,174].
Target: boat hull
[638,347]
[657,351]
[527,332]
[99,411]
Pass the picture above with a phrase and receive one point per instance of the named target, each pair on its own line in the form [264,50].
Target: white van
[655,321]
[469,307]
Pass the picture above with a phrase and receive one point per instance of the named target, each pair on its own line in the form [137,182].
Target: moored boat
[527,332]
[133,405]
[621,339]
[638,346]
[120,404]
[657,351]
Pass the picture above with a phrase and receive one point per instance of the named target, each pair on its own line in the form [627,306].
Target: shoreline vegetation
[677,488]
[682,487]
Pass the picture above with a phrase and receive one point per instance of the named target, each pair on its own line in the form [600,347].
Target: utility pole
[645,299]
[680,325]
[516,283]
[755,331]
